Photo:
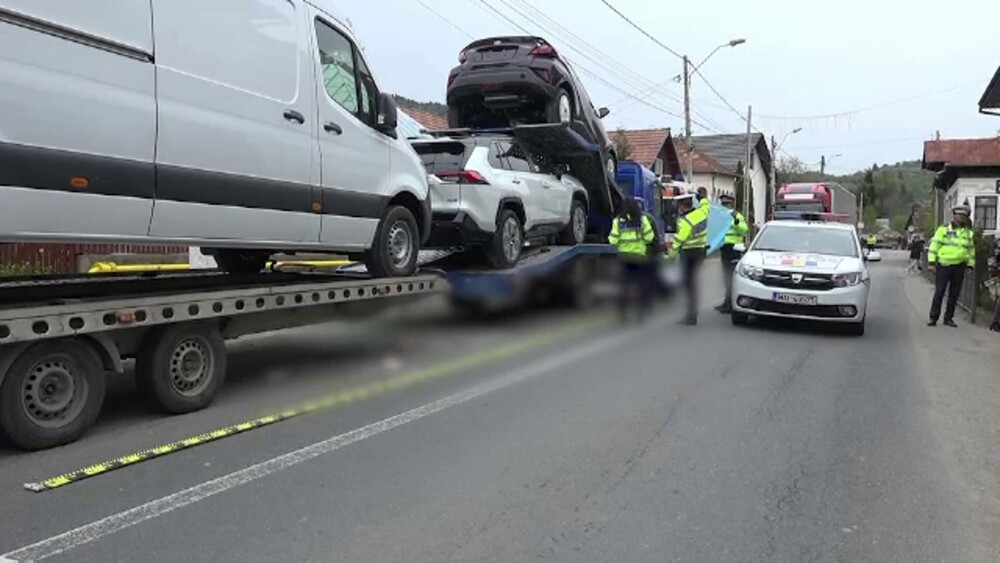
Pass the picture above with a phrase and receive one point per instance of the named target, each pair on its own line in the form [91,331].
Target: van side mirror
[388,116]
[603,112]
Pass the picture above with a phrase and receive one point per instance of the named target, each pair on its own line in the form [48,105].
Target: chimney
[937,135]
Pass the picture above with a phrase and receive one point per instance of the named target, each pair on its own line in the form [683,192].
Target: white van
[241,126]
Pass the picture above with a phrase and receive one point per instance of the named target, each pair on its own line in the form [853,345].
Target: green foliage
[19,269]
[430,107]
[622,145]
[869,218]
[898,222]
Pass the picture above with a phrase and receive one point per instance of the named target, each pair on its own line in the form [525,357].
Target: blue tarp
[719,221]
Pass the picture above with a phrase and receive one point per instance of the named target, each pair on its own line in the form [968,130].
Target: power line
[725,101]
[446,20]
[871,107]
[504,16]
[641,30]
[860,144]
[597,77]
[614,63]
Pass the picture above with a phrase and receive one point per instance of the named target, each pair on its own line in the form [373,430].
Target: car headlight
[750,272]
[847,280]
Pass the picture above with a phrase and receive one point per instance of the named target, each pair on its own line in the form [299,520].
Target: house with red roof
[968,172]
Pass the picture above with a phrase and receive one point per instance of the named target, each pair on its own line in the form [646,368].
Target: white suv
[489,193]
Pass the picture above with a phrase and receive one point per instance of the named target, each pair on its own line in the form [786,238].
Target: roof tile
[961,152]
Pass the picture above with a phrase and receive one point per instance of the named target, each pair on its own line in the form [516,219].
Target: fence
[65,258]
[978,291]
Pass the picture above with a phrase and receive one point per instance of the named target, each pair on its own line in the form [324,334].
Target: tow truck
[61,337]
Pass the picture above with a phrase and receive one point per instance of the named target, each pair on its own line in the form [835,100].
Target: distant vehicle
[504,81]
[873,256]
[490,193]
[803,270]
[829,198]
[258,127]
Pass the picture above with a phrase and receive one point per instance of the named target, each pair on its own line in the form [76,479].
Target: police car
[809,270]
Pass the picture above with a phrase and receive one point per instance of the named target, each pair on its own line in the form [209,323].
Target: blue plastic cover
[719,221]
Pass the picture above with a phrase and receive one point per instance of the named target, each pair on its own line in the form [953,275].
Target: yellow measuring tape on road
[347,396]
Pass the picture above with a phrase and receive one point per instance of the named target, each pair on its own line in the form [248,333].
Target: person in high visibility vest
[871,242]
[632,234]
[730,256]
[952,251]
[691,244]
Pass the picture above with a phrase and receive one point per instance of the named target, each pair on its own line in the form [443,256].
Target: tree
[898,223]
[622,145]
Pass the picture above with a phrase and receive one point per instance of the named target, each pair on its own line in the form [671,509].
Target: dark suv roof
[521,39]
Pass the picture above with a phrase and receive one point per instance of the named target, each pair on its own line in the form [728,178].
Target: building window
[985,214]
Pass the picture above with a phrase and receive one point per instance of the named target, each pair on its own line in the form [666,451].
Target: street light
[687,99]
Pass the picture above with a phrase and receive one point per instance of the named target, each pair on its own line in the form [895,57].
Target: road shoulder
[960,369]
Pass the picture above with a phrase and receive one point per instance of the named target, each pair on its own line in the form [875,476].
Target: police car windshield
[786,238]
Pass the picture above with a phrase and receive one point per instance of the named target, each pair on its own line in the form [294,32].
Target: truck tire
[180,368]
[575,231]
[397,243]
[504,250]
[51,394]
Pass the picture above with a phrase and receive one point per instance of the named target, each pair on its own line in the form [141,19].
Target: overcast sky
[802,59]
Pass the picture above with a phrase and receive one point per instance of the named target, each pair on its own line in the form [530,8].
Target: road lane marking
[88,533]
[340,398]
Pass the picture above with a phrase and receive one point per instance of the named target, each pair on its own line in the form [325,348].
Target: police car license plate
[795,299]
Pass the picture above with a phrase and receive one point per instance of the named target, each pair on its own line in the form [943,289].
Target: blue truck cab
[640,183]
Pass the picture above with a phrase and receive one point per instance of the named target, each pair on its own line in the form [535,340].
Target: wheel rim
[191,366]
[565,110]
[579,224]
[54,391]
[511,239]
[611,168]
[400,247]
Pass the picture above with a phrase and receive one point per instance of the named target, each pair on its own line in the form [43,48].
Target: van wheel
[181,367]
[508,241]
[575,231]
[51,394]
[560,110]
[397,242]
[240,261]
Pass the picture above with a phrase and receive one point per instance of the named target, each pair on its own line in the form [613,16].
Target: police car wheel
[739,319]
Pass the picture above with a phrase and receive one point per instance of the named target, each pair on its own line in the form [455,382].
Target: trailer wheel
[180,368]
[51,394]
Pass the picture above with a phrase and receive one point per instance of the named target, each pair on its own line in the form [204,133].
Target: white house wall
[758,187]
[967,188]
[717,184]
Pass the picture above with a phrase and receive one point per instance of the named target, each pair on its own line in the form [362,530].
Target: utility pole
[747,188]
[774,175]
[689,164]
[822,165]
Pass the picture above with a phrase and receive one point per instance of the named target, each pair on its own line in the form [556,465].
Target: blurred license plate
[795,299]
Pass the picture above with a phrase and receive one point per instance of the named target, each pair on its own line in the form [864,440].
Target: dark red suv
[505,81]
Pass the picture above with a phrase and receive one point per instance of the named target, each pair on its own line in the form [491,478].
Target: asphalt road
[582,442]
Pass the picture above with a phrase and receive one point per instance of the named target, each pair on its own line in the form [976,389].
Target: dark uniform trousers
[692,259]
[948,278]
